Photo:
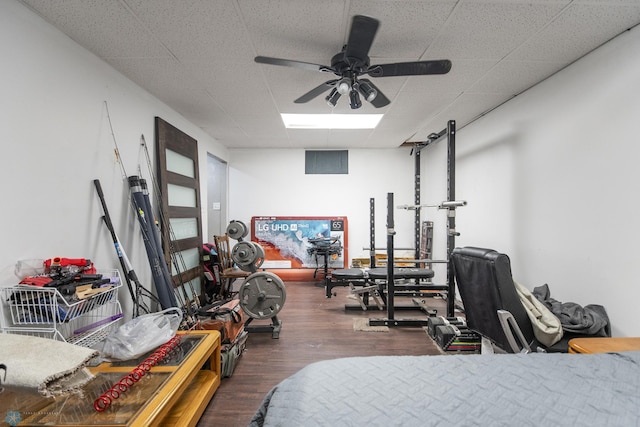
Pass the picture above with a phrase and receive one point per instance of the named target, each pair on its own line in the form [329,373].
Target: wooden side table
[603,345]
[174,392]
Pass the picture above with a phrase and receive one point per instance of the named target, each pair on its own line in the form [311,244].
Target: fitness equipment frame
[450,132]
[450,205]
[363,283]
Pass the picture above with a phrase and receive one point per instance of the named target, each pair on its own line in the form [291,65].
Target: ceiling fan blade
[291,63]
[316,91]
[380,100]
[418,68]
[363,31]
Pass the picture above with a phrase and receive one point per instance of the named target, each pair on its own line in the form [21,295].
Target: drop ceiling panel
[106,28]
[255,126]
[463,74]
[198,57]
[407,28]
[310,31]
[387,138]
[227,81]
[578,30]
[195,30]
[463,110]
[286,89]
[263,142]
[418,106]
[166,79]
[245,105]
[228,134]
[357,136]
[491,30]
[514,77]
[308,138]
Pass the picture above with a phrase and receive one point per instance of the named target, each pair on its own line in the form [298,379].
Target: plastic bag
[142,334]
[29,267]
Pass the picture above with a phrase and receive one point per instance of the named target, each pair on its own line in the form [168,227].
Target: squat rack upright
[449,132]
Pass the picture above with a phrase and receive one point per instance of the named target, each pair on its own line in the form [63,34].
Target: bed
[466,390]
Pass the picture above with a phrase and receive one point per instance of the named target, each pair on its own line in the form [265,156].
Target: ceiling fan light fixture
[354,100]
[352,62]
[332,98]
[344,86]
[367,91]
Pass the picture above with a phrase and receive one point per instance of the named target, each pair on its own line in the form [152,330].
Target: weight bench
[357,281]
[372,282]
[420,279]
[380,273]
[344,277]
[421,286]
[347,276]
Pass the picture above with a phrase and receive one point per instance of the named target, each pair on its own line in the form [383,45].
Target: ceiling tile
[406,29]
[514,77]
[490,30]
[197,56]
[578,30]
[195,30]
[308,138]
[292,29]
[463,74]
[463,110]
[106,28]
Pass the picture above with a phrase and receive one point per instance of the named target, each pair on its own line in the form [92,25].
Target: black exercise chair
[491,303]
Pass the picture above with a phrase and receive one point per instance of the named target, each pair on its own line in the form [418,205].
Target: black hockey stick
[129,274]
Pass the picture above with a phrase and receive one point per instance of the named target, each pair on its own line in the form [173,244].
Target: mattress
[463,390]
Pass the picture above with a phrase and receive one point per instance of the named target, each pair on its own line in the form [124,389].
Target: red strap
[36,280]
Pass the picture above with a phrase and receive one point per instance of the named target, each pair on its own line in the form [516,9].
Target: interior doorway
[216,196]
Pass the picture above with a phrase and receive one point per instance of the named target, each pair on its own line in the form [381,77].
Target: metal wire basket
[45,312]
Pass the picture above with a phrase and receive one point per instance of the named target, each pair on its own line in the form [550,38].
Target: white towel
[546,326]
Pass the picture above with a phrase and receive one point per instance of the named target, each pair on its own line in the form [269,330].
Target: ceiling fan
[353,62]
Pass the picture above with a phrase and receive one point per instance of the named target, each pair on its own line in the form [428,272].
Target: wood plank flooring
[314,328]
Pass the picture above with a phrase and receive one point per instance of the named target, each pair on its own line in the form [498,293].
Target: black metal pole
[129,274]
[390,259]
[416,202]
[372,232]
[451,213]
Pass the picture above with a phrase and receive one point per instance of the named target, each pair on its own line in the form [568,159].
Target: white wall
[552,179]
[274,183]
[56,140]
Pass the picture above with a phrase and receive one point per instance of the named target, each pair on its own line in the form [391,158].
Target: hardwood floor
[314,328]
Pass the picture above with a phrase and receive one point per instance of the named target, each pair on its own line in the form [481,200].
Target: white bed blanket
[462,390]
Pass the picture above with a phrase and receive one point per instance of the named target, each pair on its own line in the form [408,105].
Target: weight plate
[260,252]
[262,295]
[237,230]
[249,256]
[244,253]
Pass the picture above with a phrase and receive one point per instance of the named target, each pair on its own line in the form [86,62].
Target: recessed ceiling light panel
[331,121]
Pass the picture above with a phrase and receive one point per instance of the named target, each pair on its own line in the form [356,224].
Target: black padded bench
[344,277]
[380,273]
